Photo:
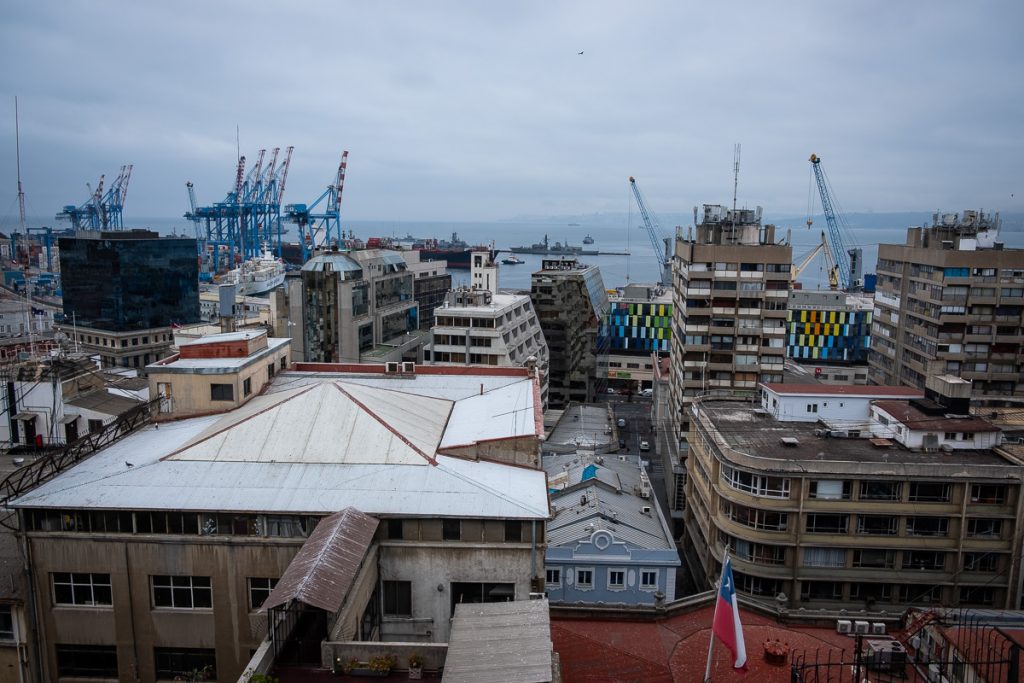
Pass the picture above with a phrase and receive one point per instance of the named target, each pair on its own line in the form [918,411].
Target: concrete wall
[519,451]
[131,623]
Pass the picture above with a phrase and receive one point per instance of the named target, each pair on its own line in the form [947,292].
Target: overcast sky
[485,110]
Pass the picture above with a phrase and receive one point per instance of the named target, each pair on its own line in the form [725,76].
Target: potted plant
[381,665]
[415,666]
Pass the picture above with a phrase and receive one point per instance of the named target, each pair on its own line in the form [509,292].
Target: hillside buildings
[731,283]
[854,500]
[570,301]
[196,542]
[638,326]
[950,300]
[124,290]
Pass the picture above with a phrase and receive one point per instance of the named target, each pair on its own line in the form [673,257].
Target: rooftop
[788,389]
[178,364]
[243,335]
[581,425]
[916,419]
[500,642]
[754,434]
[102,401]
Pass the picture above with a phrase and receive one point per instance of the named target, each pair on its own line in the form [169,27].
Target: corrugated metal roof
[499,413]
[455,487]
[452,386]
[500,642]
[328,422]
[225,337]
[102,401]
[323,570]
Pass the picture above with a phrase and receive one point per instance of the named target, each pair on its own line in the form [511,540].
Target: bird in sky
[580,52]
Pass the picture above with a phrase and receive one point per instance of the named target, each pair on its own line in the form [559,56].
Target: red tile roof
[843,390]
[674,650]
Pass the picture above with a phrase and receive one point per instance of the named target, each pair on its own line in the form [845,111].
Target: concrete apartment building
[570,300]
[480,325]
[731,283]
[873,504]
[431,281]
[638,326]
[359,305]
[123,290]
[950,300]
[163,552]
[828,327]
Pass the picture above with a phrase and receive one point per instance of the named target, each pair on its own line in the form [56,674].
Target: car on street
[644,446]
[621,422]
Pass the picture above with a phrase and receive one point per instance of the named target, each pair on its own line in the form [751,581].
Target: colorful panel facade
[834,336]
[641,327]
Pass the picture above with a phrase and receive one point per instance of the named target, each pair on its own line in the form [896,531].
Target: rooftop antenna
[735,186]
[17,153]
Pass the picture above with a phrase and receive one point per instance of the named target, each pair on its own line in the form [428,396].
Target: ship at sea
[512,260]
[547,249]
[455,251]
[257,275]
[588,239]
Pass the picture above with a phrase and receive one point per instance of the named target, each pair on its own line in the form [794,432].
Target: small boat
[512,260]
[588,239]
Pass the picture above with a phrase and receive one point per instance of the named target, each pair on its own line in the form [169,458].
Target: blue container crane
[103,210]
[654,232]
[318,230]
[849,260]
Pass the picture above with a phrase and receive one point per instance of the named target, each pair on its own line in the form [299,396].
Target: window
[871,592]
[81,589]
[812,407]
[398,598]
[877,525]
[95,426]
[259,591]
[553,577]
[87,661]
[827,524]
[821,590]
[6,623]
[924,559]
[927,526]
[824,557]
[451,529]
[929,492]
[222,392]
[980,562]
[758,553]
[182,592]
[247,386]
[976,595]
[284,363]
[985,528]
[757,484]
[880,490]
[648,579]
[874,559]
[756,585]
[919,594]
[989,494]
[177,663]
[754,518]
[396,530]
[585,578]
[616,579]
[829,490]
[513,531]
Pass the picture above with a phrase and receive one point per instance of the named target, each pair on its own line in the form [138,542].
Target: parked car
[644,446]
[621,422]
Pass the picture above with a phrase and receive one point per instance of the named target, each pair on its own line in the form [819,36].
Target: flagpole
[711,645]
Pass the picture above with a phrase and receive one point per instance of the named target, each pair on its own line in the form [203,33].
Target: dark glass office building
[129,280]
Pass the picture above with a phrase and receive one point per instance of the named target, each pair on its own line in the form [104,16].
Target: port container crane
[103,210]
[848,259]
[318,230]
[658,240]
[821,248]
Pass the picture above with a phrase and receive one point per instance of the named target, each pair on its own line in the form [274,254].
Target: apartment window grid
[259,590]
[86,661]
[81,589]
[182,592]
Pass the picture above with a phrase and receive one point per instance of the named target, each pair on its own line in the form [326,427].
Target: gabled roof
[916,419]
[319,423]
[323,570]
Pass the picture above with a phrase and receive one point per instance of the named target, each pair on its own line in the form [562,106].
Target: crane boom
[847,259]
[655,234]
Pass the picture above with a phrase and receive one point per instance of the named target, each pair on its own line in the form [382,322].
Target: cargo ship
[546,249]
[455,251]
[257,275]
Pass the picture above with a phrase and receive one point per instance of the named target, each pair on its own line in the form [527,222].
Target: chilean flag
[726,625]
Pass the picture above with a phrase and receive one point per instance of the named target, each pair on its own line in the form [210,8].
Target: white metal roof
[500,413]
[450,386]
[455,487]
[225,337]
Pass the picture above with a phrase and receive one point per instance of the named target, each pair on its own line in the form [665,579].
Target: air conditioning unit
[878,628]
[408,367]
[646,509]
[844,626]
[537,596]
[861,627]
[391,367]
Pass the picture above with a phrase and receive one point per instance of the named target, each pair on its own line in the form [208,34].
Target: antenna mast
[735,186]
[17,147]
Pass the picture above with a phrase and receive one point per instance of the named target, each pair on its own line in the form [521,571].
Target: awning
[324,569]
[68,418]
[26,415]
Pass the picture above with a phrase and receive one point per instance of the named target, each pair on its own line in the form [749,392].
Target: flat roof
[746,429]
[242,335]
[212,364]
[917,419]
[798,389]
[500,642]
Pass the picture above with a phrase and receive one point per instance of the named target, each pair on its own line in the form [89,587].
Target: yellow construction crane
[822,248]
